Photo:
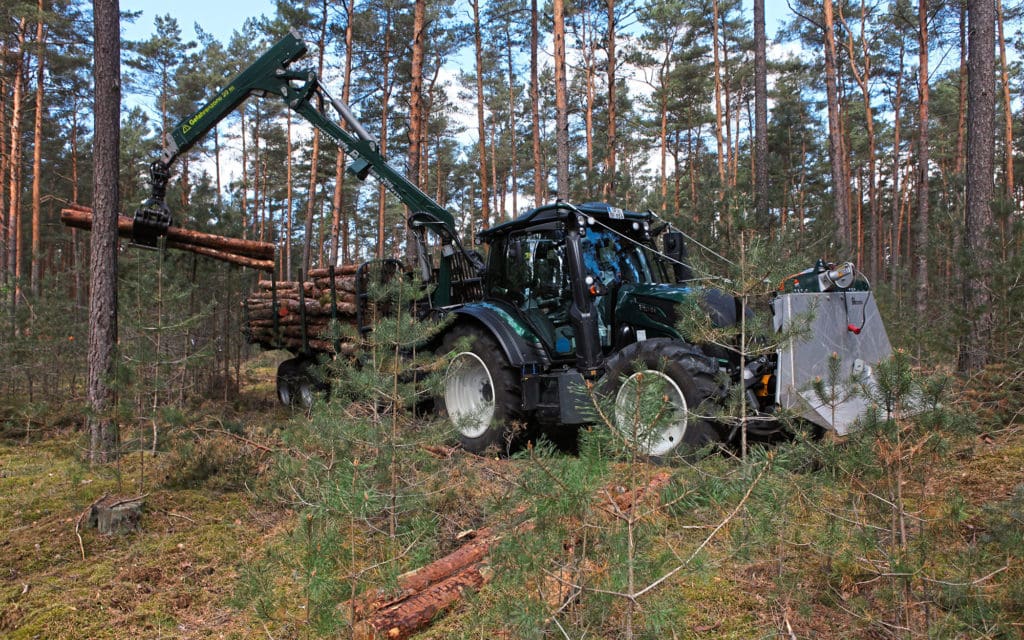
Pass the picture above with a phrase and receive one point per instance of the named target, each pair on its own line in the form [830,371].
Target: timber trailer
[571,300]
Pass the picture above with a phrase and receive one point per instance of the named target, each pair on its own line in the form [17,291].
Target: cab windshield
[611,258]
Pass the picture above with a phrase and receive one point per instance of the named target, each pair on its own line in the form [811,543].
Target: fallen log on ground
[246,253]
[435,587]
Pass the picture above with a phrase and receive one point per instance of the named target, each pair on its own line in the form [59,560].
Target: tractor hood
[655,306]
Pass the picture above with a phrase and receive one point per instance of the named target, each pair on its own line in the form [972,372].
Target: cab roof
[561,211]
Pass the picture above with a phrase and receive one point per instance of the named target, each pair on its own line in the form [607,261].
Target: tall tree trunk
[103,435]
[4,225]
[539,178]
[961,127]
[485,207]
[37,154]
[836,145]
[339,223]
[385,99]
[1007,111]
[760,119]
[590,71]
[718,99]
[513,140]
[894,244]
[609,178]
[862,75]
[245,177]
[975,348]
[419,26]
[286,252]
[561,103]
[314,160]
[13,166]
[921,292]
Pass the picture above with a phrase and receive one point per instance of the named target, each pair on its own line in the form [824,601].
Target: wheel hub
[651,412]
[469,394]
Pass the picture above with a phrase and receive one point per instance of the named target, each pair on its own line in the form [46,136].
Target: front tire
[658,390]
[481,390]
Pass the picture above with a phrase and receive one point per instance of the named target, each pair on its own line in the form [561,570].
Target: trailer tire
[296,387]
[645,374]
[481,391]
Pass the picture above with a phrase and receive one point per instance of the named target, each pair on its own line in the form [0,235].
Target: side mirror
[675,248]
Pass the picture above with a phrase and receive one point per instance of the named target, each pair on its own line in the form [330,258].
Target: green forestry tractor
[570,301]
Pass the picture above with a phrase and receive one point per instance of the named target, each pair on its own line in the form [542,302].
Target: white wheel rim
[640,397]
[469,394]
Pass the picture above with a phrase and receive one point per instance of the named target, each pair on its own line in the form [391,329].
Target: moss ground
[804,557]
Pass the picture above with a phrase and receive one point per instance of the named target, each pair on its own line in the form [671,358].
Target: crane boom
[272,75]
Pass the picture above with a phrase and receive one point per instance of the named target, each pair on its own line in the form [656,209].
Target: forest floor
[786,561]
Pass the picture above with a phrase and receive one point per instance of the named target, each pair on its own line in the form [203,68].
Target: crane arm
[271,75]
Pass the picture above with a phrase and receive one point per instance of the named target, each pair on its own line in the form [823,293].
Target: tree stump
[114,515]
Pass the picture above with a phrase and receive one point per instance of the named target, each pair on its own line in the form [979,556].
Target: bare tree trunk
[37,154]
[921,292]
[245,177]
[485,210]
[513,141]
[609,178]
[961,128]
[975,348]
[13,166]
[289,202]
[863,78]
[103,435]
[718,100]
[4,226]
[561,102]
[836,145]
[894,244]
[339,224]
[416,132]
[539,179]
[1007,110]
[385,99]
[760,119]
[314,160]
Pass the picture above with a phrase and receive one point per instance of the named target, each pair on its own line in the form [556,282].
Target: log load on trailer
[571,298]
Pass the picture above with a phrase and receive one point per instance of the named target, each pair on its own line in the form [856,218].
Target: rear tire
[640,378]
[481,390]
[296,387]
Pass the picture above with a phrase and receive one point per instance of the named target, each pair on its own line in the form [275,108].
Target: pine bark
[836,144]
[1007,109]
[975,348]
[103,434]
[718,98]
[416,109]
[314,160]
[13,167]
[609,180]
[485,208]
[760,118]
[921,292]
[539,177]
[561,103]
[385,64]
[37,155]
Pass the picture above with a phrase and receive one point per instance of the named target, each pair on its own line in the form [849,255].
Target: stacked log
[245,253]
[275,311]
